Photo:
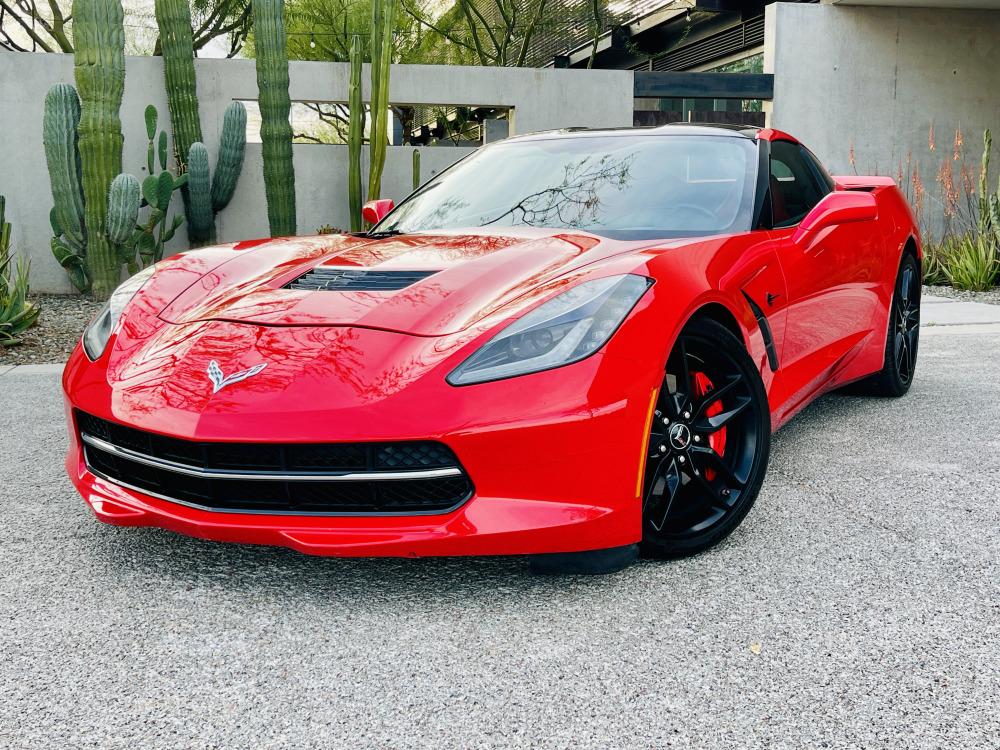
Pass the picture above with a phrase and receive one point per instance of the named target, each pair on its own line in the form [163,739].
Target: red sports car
[573,345]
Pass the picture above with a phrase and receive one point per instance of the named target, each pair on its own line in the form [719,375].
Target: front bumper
[555,457]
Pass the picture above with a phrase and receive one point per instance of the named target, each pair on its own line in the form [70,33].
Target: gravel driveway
[858,606]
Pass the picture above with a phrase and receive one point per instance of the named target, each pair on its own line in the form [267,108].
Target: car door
[829,278]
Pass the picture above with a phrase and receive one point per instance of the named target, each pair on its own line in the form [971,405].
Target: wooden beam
[655,84]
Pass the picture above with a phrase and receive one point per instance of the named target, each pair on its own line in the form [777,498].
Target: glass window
[620,186]
[794,185]
[819,169]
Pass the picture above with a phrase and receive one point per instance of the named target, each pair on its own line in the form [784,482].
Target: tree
[487,32]
[28,26]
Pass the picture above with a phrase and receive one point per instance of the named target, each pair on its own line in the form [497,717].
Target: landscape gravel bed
[59,326]
[990,297]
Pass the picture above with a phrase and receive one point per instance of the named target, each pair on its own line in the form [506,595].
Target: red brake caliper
[717,440]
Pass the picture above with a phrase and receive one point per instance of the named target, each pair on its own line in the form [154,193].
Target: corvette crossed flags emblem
[220,381]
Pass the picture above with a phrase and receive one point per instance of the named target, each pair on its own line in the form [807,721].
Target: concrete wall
[541,99]
[878,78]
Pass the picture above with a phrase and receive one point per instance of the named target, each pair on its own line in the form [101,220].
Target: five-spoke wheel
[708,443]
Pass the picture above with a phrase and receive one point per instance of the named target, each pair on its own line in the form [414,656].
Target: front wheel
[708,445]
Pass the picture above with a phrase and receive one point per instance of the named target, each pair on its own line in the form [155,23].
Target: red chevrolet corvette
[572,345]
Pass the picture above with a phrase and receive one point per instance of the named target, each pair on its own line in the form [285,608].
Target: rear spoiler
[864,183]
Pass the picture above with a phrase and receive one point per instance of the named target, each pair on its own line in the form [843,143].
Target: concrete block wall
[877,78]
[541,99]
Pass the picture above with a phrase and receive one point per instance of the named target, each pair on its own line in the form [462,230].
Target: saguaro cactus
[232,146]
[123,208]
[355,135]
[59,136]
[210,193]
[275,106]
[173,17]
[383,22]
[100,78]
[416,168]
[199,189]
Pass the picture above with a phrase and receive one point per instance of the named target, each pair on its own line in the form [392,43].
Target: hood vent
[356,280]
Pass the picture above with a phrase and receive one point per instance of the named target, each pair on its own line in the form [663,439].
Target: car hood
[469,276]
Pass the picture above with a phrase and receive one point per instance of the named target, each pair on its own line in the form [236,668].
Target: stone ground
[858,606]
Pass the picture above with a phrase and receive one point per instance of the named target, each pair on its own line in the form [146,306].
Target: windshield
[624,187]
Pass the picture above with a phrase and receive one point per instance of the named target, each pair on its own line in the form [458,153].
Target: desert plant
[275,106]
[355,135]
[16,313]
[988,203]
[173,18]
[416,168]
[972,263]
[59,136]
[383,21]
[936,255]
[135,244]
[149,234]
[99,68]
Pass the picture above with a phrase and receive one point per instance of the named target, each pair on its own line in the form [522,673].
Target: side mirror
[838,207]
[374,211]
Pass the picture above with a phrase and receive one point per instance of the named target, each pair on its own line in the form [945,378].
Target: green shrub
[16,313]
[972,263]
[935,258]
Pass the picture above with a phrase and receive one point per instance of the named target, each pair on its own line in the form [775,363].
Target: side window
[824,177]
[794,184]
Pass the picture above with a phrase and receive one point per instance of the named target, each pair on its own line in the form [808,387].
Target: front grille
[356,280]
[411,477]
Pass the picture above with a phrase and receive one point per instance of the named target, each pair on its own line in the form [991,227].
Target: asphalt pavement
[858,606]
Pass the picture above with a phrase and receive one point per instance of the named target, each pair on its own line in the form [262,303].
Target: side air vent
[356,280]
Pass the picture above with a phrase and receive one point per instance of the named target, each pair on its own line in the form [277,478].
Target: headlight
[566,329]
[95,338]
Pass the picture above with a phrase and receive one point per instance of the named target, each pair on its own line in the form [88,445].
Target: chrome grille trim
[193,471]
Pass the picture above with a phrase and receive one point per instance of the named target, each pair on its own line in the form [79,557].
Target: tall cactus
[355,135]
[123,208]
[232,146]
[100,78]
[275,106]
[200,217]
[173,17]
[383,23]
[60,121]
[206,197]
[416,168]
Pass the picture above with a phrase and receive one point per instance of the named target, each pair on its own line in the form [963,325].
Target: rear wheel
[902,338]
[708,444]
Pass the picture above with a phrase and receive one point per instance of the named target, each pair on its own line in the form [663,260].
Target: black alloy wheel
[708,445]
[906,321]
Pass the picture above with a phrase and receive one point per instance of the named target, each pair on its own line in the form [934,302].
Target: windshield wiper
[384,233]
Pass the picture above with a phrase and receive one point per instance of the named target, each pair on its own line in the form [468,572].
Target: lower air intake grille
[356,280]
[410,477]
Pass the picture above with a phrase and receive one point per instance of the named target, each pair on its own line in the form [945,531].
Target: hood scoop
[332,279]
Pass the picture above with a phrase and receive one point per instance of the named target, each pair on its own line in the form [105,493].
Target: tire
[902,337]
[709,443]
